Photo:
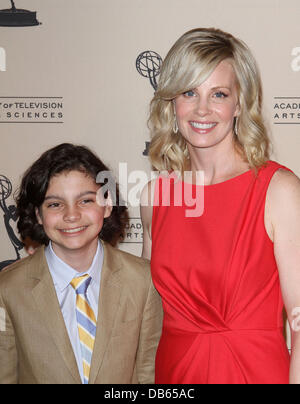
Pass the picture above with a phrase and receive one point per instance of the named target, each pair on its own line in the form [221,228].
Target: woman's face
[205,115]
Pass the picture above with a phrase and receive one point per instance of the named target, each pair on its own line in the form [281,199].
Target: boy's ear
[105,203]
[38,216]
[108,206]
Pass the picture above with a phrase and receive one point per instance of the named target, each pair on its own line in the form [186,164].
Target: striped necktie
[86,322]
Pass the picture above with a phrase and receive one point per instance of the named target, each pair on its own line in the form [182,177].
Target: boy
[78,310]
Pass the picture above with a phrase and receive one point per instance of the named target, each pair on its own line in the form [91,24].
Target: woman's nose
[202,107]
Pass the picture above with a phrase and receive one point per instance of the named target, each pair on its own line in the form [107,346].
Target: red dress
[219,283]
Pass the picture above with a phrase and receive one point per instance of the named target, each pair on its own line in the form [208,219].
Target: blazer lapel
[109,298]
[46,300]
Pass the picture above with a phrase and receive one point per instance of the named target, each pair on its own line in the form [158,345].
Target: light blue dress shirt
[62,274]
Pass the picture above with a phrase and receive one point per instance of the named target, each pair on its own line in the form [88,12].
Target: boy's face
[70,214]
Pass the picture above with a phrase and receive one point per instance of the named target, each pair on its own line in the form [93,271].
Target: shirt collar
[63,274]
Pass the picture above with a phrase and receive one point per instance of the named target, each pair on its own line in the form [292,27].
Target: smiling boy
[78,310]
[72,218]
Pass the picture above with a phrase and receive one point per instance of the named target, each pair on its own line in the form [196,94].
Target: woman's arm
[146,207]
[283,207]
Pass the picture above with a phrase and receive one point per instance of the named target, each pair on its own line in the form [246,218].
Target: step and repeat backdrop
[84,71]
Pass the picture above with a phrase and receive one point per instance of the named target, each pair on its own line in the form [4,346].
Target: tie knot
[81,284]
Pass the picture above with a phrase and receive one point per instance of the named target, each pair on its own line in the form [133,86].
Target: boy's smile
[71,216]
[74,231]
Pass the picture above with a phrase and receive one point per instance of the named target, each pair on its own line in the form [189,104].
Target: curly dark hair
[65,157]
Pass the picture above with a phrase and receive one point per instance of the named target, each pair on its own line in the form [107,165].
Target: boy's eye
[53,205]
[86,201]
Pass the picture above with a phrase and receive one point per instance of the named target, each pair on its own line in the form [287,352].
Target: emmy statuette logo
[148,65]
[14,17]
[10,214]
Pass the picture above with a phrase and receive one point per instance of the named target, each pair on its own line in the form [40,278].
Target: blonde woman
[225,275]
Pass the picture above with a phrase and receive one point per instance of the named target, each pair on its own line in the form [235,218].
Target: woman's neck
[218,164]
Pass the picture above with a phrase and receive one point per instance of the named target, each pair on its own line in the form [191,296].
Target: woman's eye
[220,94]
[189,93]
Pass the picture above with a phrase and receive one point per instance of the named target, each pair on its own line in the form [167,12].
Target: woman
[223,276]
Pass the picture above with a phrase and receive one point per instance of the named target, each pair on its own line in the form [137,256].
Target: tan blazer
[34,343]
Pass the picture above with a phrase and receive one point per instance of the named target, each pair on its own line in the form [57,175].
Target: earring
[235,129]
[175,125]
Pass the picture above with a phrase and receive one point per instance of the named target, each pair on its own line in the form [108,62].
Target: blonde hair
[188,64]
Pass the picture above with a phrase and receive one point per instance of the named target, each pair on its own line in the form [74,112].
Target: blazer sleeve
[150,333]
[8,351]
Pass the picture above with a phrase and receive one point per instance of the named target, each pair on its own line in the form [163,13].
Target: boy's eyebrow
[78,196]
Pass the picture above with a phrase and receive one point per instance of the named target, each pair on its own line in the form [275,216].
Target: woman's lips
[202,127]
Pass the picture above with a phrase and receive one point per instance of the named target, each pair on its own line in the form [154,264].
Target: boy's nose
[72,214]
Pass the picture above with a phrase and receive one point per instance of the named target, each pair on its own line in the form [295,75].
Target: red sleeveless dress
[219,284]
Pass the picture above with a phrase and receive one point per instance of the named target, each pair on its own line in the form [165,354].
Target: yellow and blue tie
[86,322]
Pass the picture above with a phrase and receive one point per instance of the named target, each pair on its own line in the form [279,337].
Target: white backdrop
[81,62]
